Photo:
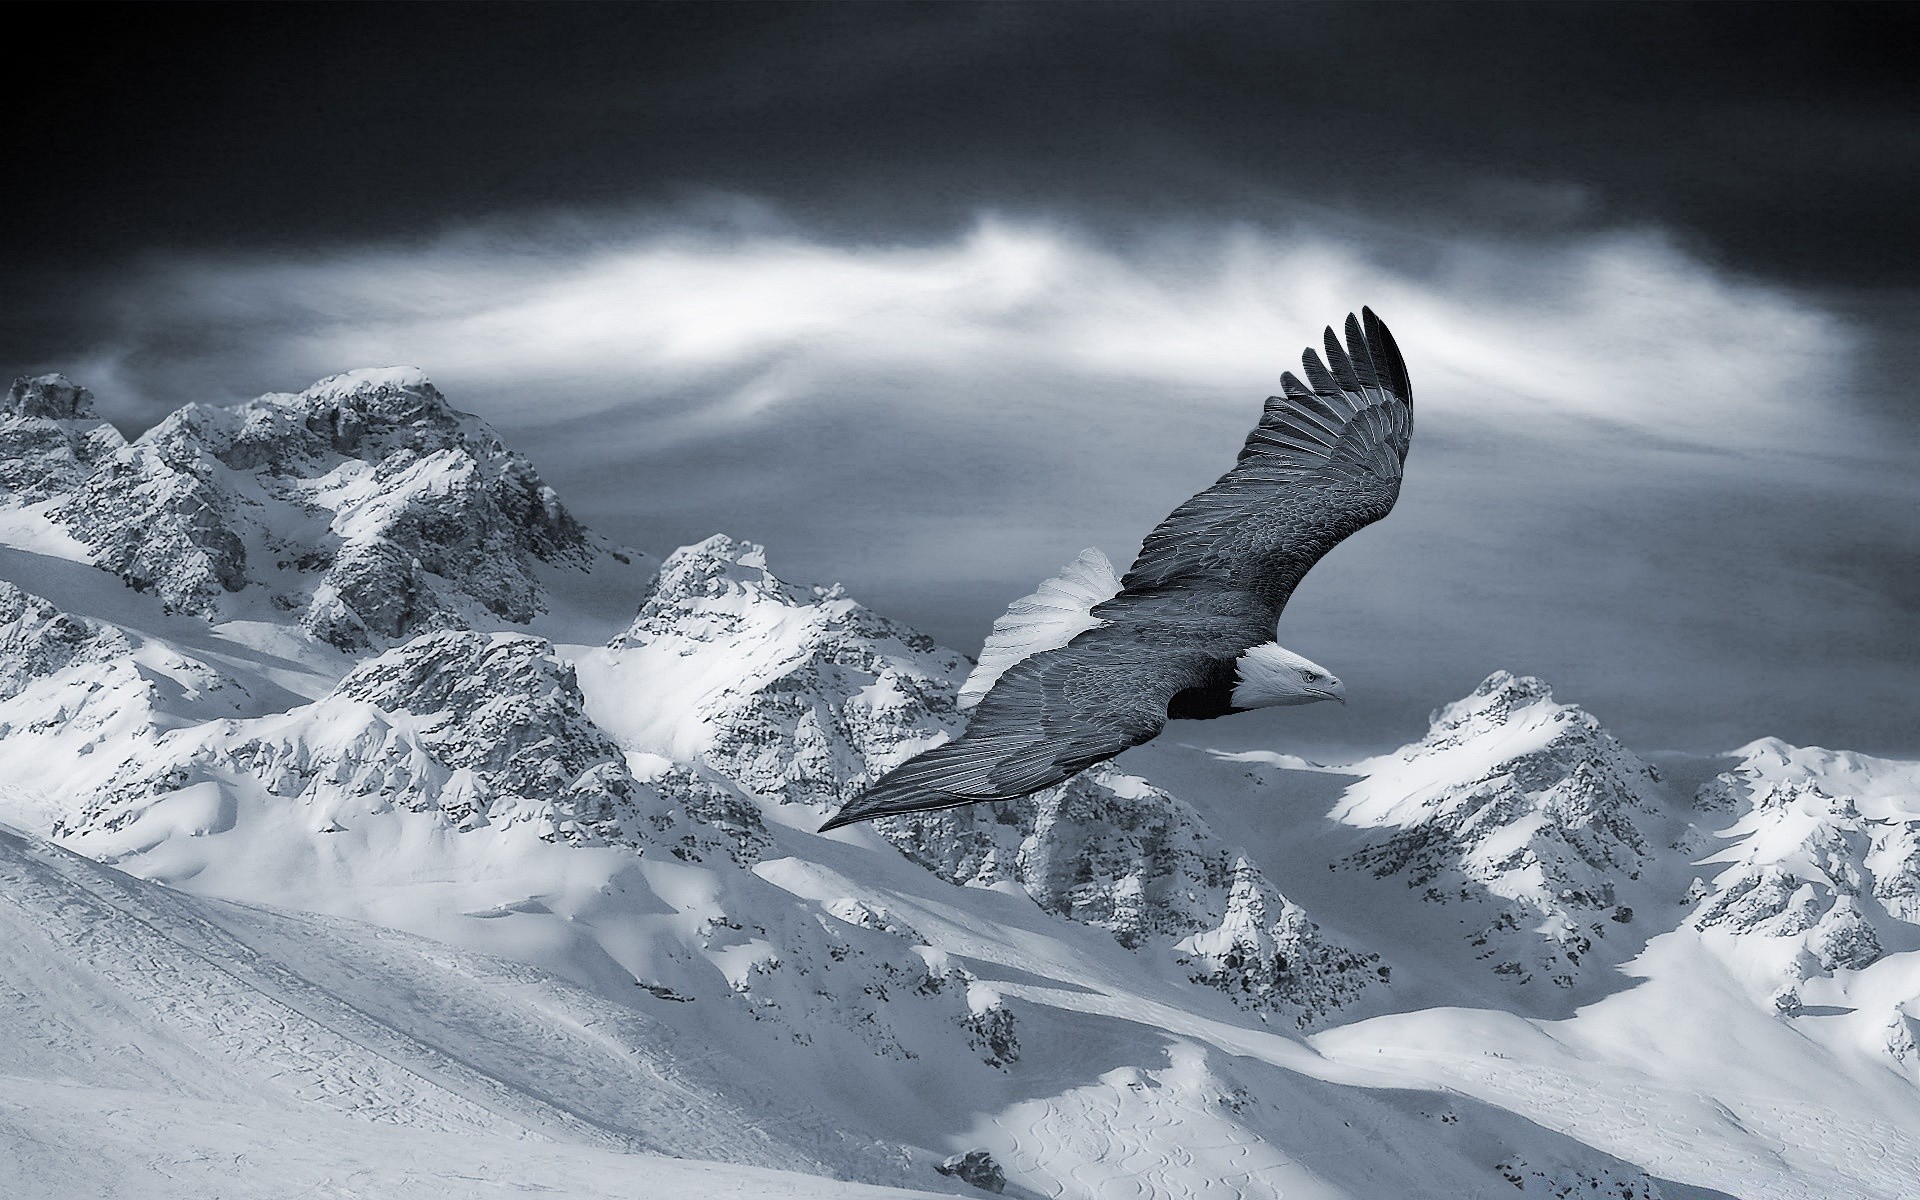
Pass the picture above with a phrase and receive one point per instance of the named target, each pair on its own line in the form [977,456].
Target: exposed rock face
[1523,807]
[50,439]
[1110,849]
[1569,1182]
[804,696]
[71,684]
[80,696]
[1824,866]
[1267,954]
[66,683]
[48,397]
[990,1026]
[977,1168]
[1819,899]
[365,503]
[789,690]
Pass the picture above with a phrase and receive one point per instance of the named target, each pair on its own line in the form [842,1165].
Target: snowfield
[371,828]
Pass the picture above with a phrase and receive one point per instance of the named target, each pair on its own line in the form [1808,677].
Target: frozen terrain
[373,828]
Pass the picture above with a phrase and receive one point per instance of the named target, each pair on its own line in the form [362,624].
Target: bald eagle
[1092,664]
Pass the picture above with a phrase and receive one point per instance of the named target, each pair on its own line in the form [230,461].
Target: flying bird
[1092,664]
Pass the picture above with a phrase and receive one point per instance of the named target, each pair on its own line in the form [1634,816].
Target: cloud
[1615,326]
[1619,453]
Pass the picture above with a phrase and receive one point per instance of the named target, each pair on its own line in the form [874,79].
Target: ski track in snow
[198,992]
[1780,1151]
[62,1141]
[1160,1154]
[120,988]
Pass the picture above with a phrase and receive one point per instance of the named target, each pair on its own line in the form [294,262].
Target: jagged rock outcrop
[48,398]
[37,640]
[1522,807]
[788,690]
[365,503]
[1575,1182]
[976,1167]
[50,439]
[1110,849]
[803,696]
[1812,888]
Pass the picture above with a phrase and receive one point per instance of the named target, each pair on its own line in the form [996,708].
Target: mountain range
[372,827]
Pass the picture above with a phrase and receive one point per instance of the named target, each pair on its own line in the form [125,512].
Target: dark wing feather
[1061,711]
[1324,462]
[1045,720]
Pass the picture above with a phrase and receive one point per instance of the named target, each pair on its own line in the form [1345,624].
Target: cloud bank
[1650,481]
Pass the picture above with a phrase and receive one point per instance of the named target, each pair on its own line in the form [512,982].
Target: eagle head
[1270,674]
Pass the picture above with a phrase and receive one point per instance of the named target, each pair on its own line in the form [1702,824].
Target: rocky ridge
[78,695]
[366,505]
[1524,811]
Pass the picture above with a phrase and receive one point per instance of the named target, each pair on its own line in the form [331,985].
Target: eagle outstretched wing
[1324,462]
[1046,719]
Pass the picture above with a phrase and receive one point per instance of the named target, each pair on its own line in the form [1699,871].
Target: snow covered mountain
[1525,813]
[364,504]
[1814,877]
[387,800]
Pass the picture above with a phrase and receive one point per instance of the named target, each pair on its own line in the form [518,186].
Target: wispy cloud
[1623,327]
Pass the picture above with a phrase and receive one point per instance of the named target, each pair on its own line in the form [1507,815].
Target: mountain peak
[377,395]
[426,519]
[1525,811]
[713,571]
[53,397]
[1493,702]
[803,696]
[362,380]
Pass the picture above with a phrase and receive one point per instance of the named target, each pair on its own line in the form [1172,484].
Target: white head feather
[1270,674]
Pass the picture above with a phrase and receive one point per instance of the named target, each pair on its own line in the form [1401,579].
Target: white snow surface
[538,906]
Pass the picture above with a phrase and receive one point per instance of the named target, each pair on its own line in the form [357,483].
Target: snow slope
[163,1045]
[495,869]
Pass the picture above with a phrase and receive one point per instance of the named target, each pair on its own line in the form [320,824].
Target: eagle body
[1092,664]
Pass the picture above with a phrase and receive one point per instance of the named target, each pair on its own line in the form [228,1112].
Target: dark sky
[1780,136]
[929,297]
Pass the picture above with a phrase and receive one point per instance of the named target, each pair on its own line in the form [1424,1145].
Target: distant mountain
[515,835]
[365,507]
[1525,813]
[1813,872]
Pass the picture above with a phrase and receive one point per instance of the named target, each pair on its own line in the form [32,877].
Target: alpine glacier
[374,828]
